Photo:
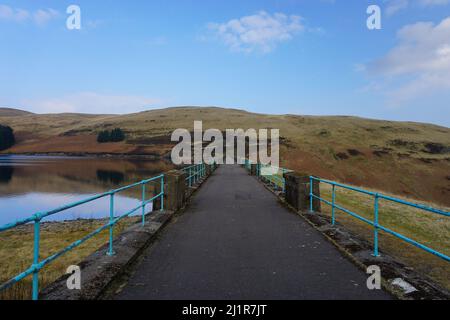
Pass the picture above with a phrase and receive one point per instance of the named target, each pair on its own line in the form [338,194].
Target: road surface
[235,241]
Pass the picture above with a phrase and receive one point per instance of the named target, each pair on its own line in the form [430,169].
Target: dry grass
[430,229]
[16,247]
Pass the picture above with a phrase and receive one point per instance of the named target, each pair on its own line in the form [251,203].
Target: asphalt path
[236,242]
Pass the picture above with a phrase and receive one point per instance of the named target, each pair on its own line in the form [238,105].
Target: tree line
[114,135]
[7,139]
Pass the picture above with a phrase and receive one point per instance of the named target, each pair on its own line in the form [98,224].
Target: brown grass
[16,247]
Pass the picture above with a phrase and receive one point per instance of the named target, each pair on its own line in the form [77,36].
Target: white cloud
[90,102]
[393,6]
[42,16]
[259,32]
[419,64]
[39,17]
[396,5]
[10,14]
[433,2]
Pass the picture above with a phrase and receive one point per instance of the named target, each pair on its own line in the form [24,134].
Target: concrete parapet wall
[174,190]
[297,191]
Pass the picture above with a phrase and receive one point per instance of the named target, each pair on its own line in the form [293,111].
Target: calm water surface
[30,184]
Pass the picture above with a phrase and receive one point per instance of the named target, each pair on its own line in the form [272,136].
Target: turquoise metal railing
[195,172]
[375,223]
[38,264]
[277,181]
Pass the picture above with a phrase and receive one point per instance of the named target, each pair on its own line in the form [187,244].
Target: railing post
[311,194]
[333,202]
[190,177]
[36,245]
[162,192]
[143,204]
[111,227]
[375,227]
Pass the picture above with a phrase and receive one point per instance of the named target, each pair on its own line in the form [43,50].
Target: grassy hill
[10,112]
[405,158]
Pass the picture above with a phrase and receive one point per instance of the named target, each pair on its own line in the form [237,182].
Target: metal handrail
[37,264]
[195,172]
[375,223]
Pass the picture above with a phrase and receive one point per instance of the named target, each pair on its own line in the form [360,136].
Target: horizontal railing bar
[17,278]
[72,205]
[345,210]
[151,199]
[344,186]
[415,205]
[75,244]
[380,195]
[415,243]
[39,216]
[18,223]
[354,214]
[323,200]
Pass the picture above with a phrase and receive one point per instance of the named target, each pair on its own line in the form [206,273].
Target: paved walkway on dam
[235,241]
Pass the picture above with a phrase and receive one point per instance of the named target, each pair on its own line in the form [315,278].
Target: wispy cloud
[259,32]
[91,102]
[418,65]
[394,6]
[39,17]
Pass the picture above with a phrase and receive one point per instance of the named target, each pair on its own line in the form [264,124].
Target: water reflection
[6,173]
[114,177]
[30,184]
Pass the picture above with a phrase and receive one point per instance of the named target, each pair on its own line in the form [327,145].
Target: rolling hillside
[404,158]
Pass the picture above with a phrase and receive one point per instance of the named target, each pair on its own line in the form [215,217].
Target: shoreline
[51,225]
[88,155]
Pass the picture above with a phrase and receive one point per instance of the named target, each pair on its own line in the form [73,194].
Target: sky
[307,57]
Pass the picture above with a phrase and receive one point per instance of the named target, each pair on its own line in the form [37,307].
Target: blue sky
[286,56]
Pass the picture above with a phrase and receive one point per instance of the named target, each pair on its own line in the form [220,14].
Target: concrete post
[157,201]
[297,191]
[253,169]
[316,191]
[209,169]
[175,190]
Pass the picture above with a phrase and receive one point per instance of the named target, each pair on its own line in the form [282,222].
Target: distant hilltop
[11,112]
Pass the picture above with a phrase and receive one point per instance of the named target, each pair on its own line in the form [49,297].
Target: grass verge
[16,247]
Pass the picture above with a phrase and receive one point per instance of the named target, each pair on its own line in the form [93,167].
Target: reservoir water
[31,184]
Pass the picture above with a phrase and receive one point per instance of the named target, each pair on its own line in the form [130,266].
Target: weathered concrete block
[253,169]
[316,191]
[174,190]
[157,201]
[209,169]
[297,191]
